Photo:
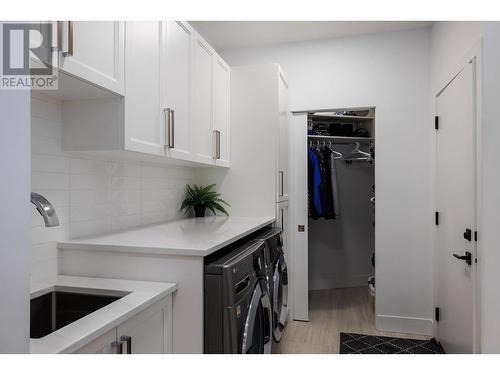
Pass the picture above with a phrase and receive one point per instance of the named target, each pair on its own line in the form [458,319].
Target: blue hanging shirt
[316,181]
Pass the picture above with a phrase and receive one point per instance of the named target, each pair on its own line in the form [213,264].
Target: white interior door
[298,265]
[455,203]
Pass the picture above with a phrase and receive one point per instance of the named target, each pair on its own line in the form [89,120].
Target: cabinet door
[221,111]
[148,330]
[94,51]
[283,148]
[200,135]
[104,344]
[176,75]
[144,127]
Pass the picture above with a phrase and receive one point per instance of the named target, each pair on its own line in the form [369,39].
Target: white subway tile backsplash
[125,222]
[89,182]
[91,167]
[43,269]
[125,183]
[46,109]
[49,181]
[46,128]
[89,197]
[46,145]
[125,170]
[125,196]
[92,196]
[89,212]
[49,163]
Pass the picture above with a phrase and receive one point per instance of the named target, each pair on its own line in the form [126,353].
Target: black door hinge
[468,234]
[475,235]
[436,314]
[436,218]
[436,122]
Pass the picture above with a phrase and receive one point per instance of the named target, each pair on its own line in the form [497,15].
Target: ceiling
[233,34]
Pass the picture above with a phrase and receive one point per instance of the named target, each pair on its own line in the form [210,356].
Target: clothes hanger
[336,154]
[358,155]
[317,147]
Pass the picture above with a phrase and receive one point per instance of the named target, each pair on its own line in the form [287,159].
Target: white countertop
[141,294]
[192,237]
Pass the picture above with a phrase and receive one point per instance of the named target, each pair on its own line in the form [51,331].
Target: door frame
[298,285]
[473,56]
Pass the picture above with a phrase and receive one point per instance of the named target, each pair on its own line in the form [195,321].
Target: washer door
[257,331]
[280,297]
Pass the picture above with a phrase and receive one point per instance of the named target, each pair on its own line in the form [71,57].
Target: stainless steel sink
[58,308]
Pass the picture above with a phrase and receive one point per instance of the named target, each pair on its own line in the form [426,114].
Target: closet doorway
[333,194]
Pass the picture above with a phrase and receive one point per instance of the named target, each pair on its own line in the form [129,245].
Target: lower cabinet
[148,332]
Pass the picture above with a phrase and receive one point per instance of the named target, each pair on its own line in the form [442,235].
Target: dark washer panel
[231,280]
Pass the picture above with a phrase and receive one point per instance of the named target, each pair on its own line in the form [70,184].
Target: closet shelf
[341,117]
[339,139]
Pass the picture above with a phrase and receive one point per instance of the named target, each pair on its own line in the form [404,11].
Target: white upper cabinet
[93,51]
[144,121]
[200,137]
[176,74]
[221,112]
[284,139]
[176,102]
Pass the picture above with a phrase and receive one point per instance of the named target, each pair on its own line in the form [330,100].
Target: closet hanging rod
[340,139]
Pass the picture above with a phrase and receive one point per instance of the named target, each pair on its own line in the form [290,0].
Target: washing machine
[237,304]
[277,278]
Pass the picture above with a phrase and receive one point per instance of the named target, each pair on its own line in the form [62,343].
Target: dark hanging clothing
[320,191]
[327,189]
[314,183]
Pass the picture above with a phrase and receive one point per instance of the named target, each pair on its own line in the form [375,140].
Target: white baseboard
[404,324]
[348,281]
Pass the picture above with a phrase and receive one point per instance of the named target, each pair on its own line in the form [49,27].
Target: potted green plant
[201,198]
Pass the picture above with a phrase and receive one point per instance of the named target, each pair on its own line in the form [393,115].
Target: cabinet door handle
[69,52]
[169,127]
[117,347]
[172,129]
[216,152]
[214,144]
[166,115]
[127,343]
[59,26]
[217,155]
[281,182]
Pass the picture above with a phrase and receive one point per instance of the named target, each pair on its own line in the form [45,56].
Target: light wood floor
[331,312]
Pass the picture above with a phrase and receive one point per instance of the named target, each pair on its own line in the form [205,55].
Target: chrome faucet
[46,210]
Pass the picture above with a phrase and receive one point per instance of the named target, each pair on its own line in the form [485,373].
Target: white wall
[390,71]
[92,196]
[450,42]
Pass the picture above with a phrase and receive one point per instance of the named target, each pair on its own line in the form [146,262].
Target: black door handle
[467,257]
